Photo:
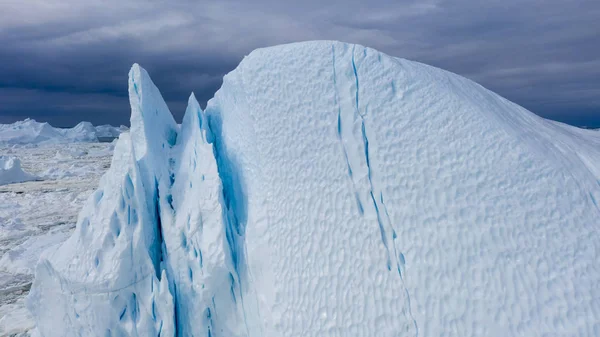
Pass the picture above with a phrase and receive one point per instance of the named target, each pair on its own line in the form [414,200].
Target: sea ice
[11,172]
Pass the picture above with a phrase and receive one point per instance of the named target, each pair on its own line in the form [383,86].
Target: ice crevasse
[331,190]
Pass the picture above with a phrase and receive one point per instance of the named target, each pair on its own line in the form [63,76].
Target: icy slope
[331,190]
[11,172]
[357,167]
[31,132]
[104,280]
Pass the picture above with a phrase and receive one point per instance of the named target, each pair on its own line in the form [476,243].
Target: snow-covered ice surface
[31,132]
[11,172]
[38,215]
[331,190]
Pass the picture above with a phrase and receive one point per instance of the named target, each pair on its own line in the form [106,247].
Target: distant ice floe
[11,171]
[31,132]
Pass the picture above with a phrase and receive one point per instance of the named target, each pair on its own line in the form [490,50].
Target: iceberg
[82,132]
[30,131]
[11,171]
[329,189]
[110,132]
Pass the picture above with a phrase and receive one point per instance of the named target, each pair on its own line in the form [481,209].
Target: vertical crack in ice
[399,265]
[159,231]
[159,214]
[356,78]
[380,205]
[340,137]
[234,209]
[594,201]
[159,250]
[365,144]
[158,255]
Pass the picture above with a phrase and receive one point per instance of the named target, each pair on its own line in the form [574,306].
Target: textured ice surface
[11,172]
[103,280]
[31,132]
[331,190]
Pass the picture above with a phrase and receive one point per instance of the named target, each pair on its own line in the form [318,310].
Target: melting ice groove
[247,221]
[376,204]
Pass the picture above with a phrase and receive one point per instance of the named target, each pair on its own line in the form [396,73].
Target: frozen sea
[39,215]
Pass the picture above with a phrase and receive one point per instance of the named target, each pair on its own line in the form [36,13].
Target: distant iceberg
[29,131]
[108,132]
[331,190]
[11,171]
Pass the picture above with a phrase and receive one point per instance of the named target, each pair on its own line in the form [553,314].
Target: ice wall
[332,190]
[104,281]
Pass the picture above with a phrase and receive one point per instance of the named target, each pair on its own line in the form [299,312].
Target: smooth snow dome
[11,172]
[31,132]
[332,190]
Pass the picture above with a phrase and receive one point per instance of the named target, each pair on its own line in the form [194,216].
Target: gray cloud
[65,61]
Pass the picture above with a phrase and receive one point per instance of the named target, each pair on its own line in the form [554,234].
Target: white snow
[31,132]
[331,190]
[11,172]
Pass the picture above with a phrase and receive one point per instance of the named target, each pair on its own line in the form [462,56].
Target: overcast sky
[67,61]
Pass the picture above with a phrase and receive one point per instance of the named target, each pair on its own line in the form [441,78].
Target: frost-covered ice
[331,190]
[11,172]
[38,215]
[31,132]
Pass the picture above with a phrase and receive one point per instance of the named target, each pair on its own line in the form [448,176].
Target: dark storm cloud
[68,61]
